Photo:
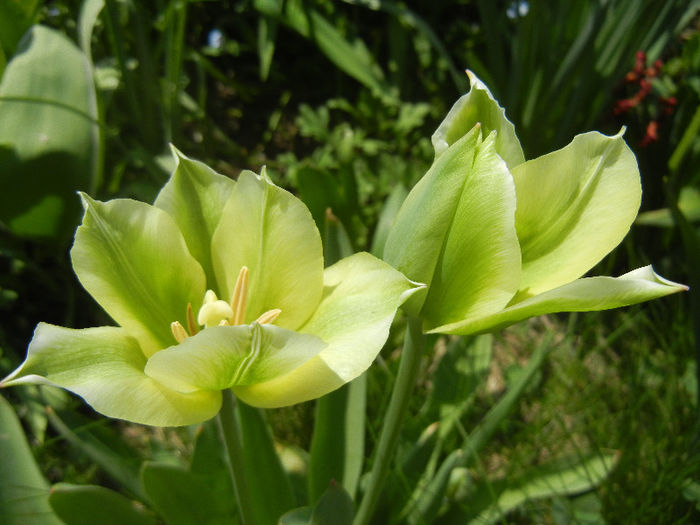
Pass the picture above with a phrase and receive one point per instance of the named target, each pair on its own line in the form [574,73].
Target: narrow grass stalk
[395,415]
[231,434]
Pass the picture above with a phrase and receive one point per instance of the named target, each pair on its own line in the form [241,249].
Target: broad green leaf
[271,232]
[194,197]
[422,224]
[222,357]
[582,295]
[360,297]
[132,259]
[49,134]
[94,505]
[479,107]
[338,442]
[546,482]
[181,497]
[23,490]
[270,489]
[209,462]
[105,367]
[574,206]
[478,269]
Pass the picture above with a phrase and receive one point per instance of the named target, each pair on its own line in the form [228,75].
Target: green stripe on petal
[415,241]
[271,232]
[582,295]
[479,106]
[360,299]
[195,196]
[479,269]
[574,206]
[132,259]
[105,367]
[224,356]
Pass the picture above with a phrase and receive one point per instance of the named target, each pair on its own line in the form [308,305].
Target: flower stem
[230,429]
[395,415]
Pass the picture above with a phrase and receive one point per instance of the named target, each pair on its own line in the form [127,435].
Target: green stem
[230,429]
[395,414]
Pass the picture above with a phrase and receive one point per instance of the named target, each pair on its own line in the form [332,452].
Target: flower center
[215,312]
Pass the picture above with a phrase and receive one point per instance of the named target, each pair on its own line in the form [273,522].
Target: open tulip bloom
[217,285]
[498,239]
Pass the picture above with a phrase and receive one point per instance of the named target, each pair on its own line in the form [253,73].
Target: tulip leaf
[182,497]
[270,489]
[94,505]
[49,134]
[110,380]
[221,357]
[360,298]
[271,232]
[195,196]
[479,107]
[132,259]
[23,490]
[478,269]
[209,462]
[582,295]
[574,206]
[338,440]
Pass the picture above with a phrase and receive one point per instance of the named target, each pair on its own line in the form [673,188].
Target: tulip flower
[217,285]
[498,239]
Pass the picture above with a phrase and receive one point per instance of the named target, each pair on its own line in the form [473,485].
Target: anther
[239,301]
[269,316]
[191,325]
[178,331]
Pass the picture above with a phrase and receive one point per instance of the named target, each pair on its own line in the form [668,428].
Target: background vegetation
[339,100]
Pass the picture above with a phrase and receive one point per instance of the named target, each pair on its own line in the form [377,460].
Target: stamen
[269,316]
[213,310]
[178,331]
[239,301]
[191,325]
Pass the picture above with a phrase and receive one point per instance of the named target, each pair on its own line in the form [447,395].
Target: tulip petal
[582,295]
[574,206]
[271,232]
[361,296]
[224,356]
[479,106]
[194,196]
[415,241]
[479,268]
[105,367]
[132,259]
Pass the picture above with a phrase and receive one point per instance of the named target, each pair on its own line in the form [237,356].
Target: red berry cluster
[642,76]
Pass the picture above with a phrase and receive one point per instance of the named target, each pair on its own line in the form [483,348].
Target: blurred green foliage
[339,100]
